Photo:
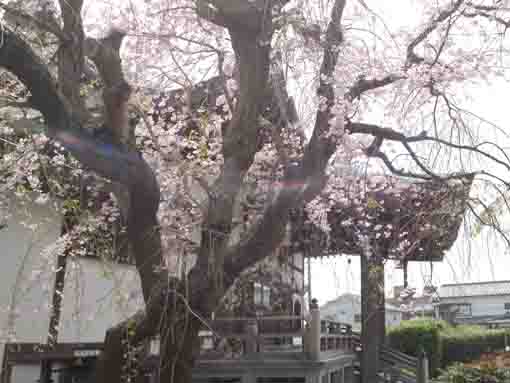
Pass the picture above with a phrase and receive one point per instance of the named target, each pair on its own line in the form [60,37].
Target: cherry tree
[247,112]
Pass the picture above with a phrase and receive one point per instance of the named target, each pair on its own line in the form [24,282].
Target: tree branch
[412,57]
[393,135]
[248,15]
[270,229]
[363,85]
[127,168]
[240,143]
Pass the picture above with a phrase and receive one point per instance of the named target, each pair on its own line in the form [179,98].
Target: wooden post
[423,368]
[252,330]
[315,331]
[372,315]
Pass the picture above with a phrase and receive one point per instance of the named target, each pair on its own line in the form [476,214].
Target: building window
[463,309]
[257,293]
[357,318]
[266,296]
[261,294]
[507,306]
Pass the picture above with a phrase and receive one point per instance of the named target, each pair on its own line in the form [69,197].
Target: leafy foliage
[458,373]
[445,344]
[466,343]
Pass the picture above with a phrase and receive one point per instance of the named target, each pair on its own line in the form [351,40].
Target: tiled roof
[475,289]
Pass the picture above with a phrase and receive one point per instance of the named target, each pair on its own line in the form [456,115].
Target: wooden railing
[335,336]
[237,336]
[240,336]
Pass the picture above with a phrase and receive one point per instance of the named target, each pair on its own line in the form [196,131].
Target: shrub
[445,344]
[424,334]
[466,343]
[458,373]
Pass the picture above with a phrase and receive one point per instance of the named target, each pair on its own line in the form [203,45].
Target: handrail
[259,318]
[404,365]
[396,359]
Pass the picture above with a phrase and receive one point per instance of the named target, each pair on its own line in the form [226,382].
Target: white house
[347,309]
[483,303]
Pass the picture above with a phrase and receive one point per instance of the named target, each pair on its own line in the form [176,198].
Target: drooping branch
[393,135]
[412,56]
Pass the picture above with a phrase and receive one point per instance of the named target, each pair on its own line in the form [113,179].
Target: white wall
[393,318]
[26,279]
[491,305]
[97,294]
[347,307]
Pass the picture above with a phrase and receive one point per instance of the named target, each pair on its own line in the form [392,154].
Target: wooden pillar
[252,331]
[314,335]
[372,316]
[381,299]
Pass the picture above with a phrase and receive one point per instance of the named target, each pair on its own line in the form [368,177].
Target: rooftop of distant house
[356,299]
[474,289]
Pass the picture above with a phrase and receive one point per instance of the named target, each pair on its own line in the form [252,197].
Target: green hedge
[412,336]
[443,343]
[467,343]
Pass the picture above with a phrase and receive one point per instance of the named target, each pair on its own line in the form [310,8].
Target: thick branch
[246,15]
[240,143]
[363,85]
[271,228]
[105,53]
[17,57]
[71,58]
[128,169]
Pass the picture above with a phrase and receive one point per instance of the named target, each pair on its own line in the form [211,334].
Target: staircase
[397,367]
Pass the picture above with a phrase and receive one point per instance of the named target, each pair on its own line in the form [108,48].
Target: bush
[458,373]
[445,344]
[415,335]
[466,343]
